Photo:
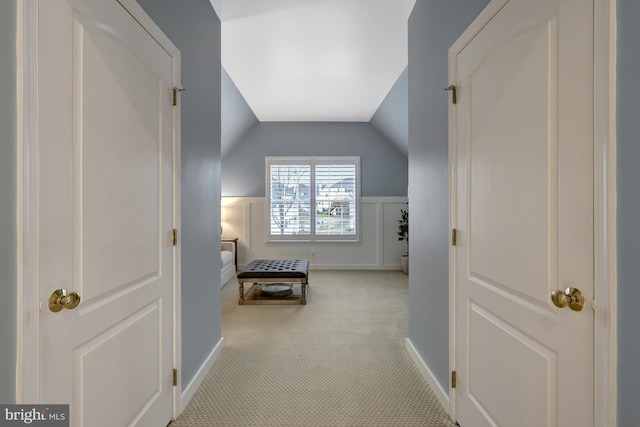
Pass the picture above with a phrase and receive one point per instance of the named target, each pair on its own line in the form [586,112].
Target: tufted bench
[274,271]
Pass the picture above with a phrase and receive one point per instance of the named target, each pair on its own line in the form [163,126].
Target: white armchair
[227,262]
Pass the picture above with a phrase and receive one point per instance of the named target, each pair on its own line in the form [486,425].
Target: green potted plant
[403,235]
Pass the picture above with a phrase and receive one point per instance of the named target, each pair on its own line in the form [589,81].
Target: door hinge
[453,379]
[454,93]
[174,234]
[175,377]
[175,94]
[454,236]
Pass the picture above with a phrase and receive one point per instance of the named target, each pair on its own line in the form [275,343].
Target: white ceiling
[314,60]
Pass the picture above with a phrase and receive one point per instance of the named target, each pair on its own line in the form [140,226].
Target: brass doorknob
[571,297]
[60,299]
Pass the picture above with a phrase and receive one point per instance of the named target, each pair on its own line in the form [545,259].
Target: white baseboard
[383,267]
[193,385]
[440,393]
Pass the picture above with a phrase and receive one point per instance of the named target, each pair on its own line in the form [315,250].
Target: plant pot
[404,263]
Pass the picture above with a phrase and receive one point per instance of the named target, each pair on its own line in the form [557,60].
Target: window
[313,198]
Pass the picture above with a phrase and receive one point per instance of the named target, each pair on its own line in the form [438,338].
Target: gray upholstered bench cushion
[275,269]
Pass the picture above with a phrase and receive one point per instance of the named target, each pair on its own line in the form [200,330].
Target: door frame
[28,305]
[605,275]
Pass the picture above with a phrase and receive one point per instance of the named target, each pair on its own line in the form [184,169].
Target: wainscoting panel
[378,249]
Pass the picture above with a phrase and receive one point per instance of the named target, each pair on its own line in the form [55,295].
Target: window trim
[313,161]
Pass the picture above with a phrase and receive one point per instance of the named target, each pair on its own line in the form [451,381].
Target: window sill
[310,241]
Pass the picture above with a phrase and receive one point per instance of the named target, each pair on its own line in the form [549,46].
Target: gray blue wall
[8,242]
[433,27]
[237,116]
[628,128]
[383,165]
[194,28]
[392,116]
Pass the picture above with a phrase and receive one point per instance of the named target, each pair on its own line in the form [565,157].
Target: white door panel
[106,201]
[524,214]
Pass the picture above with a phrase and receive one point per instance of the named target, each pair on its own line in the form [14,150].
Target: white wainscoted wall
[378,249]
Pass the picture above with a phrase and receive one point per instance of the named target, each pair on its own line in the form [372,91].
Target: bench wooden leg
[241,290]
[303,292]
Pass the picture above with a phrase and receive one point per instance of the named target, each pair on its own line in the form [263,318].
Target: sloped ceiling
[392,117]
[314,60]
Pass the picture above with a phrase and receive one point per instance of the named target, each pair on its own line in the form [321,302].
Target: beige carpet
[338,361]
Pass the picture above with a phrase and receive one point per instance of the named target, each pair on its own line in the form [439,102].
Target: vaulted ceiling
[314,60]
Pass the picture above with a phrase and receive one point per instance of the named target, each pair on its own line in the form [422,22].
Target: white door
[105,213]
[523,207]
